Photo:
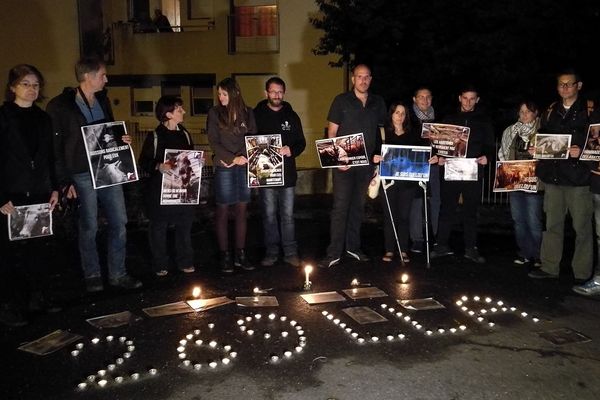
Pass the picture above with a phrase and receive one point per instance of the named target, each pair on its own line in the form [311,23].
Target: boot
[226,262]
[241,261]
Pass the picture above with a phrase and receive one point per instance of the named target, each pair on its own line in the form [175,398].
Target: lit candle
[196,292]
[197,366]
[82,385]
[225,361]
[211,325]
[404,278]
[102,382]
[375,339]
[233,354]
[135,376]
[307,270]
[213,364]
[118,379]
[95,340]
[401,336]
[354,282]
[152,371]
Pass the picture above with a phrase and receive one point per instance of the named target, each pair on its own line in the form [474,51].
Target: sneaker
[328,262]
[188,270]
[161,273]
[126,282]
[11,317]
[241,261]
[521,260]
[293,260]
[472,254]
[537,263]
[93,285]
[540,274]
[441,251]
[358,255]
[269,260]
[589,288]
[417,247]
[226,262]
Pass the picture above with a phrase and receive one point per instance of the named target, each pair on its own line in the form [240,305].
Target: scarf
[523,130]
[428,115]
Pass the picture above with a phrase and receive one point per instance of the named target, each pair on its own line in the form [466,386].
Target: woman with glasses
[227,125]
[26,178]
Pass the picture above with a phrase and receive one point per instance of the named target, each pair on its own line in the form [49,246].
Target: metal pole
[385,185]
[423,185]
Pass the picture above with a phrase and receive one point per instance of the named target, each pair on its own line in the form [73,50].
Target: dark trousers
[157,232]
[450,195]
[400,200]
[349,195]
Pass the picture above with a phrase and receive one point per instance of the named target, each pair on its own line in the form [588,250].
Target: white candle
[196,292]
[307,270]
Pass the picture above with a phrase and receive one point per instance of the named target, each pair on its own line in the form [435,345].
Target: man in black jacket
[75,107]
[275,116]
[567,184]
[481,144]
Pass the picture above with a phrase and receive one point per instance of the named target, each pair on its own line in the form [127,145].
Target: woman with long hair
[227,124]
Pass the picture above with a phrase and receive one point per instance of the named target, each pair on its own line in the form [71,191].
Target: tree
[509,48]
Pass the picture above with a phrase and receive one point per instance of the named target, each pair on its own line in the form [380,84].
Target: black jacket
[25,178]
[287,123]
[67,120]
[575,121]
[149,159]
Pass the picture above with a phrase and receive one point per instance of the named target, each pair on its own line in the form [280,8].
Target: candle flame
[354,282]
[256,290]
[404,278]
[196,292]
[308,269]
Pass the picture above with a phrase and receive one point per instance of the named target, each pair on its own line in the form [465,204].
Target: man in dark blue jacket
[275,116]
[85,105]
[567,183]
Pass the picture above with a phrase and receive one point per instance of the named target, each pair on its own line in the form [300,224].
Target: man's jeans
[113,204]
[280,200]
[526,211]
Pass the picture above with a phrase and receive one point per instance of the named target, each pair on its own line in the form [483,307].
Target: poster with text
[30,221]
[181,184]
[110,159]
[265,164]
[549,146]
[405,163]
[591,151]
[447,140]
[342,151]
[460,169]
[515,175]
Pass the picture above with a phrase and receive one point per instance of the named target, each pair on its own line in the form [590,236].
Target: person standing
[422,111]
[481,143]
[169,134]
[26,177]
[352,112]
[567,184]
[276,116]
[227,125]
[75,107]
[525,208]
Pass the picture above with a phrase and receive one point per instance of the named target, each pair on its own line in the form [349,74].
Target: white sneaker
[589,288]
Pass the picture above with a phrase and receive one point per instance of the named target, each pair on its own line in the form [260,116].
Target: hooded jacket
[286,123]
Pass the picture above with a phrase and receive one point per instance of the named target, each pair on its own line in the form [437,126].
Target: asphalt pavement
[533,339]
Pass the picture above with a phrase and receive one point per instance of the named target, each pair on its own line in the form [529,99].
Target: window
[202,100]
[254,27]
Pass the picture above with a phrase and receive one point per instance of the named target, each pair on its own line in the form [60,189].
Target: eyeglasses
[28,85]
[567,85]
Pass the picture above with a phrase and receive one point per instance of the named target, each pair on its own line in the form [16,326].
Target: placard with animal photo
[265,163]
[111,160]
[460,169]
[516,175]
[405,163]
[549,146]
[447,140]
[30,221]
[591,151]
[342,151]
[181,183]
